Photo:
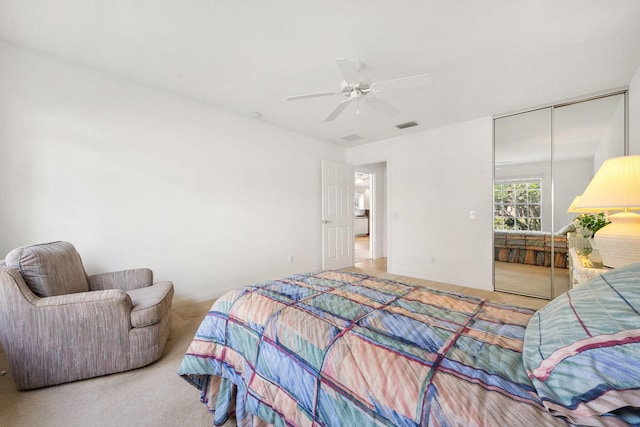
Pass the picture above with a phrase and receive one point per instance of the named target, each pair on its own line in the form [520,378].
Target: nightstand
[583,266]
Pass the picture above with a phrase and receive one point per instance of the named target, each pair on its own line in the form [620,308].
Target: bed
[344,349]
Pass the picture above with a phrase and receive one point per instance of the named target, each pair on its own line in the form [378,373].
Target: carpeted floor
[151,396]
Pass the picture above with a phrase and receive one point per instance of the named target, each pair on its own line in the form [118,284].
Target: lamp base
[619,242]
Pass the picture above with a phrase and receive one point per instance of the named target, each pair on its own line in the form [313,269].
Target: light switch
[472,215]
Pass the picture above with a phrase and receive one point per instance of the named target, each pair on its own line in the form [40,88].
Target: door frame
[377,219]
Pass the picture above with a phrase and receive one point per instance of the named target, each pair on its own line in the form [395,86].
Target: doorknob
[326,221]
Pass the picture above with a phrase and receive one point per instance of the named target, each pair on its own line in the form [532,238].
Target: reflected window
[517,204]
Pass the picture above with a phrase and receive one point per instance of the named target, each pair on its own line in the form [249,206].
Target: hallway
[362,249]
[362,256]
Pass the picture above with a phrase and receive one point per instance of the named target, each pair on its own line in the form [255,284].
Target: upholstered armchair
[57,324]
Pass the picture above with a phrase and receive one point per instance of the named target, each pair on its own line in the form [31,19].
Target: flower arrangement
[588,223]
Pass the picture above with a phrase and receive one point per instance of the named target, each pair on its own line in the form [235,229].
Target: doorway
[362,216]
[370,218]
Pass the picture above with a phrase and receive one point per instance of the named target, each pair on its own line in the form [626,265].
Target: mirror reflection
[522,201]
[543,160]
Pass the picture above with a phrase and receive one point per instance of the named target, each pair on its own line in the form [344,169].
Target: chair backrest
[50,268]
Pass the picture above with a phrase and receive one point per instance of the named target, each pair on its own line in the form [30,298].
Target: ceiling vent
[352,137]
[406,125]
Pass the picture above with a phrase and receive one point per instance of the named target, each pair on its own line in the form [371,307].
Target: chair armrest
[125,280]
[51,340]
[107,296]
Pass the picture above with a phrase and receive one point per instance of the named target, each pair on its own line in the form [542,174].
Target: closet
[544,158]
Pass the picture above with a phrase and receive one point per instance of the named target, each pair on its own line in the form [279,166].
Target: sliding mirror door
[522,202]
[585,134]
[543,159]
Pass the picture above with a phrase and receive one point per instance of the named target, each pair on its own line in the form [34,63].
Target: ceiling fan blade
[381,106]
[410,82]
[350,70]
[310,95]
[339,109]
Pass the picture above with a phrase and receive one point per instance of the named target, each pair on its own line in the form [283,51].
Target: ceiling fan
[357,86]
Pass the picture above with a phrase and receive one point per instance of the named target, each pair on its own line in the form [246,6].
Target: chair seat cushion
[150,304]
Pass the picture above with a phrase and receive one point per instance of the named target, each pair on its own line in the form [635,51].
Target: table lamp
[616,187]
[574,209]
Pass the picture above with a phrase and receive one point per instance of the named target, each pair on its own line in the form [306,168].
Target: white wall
[435,178]
[612,142]
[134,176]
[634,114]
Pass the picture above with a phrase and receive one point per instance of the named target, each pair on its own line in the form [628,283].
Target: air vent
[406,125]
[350,138]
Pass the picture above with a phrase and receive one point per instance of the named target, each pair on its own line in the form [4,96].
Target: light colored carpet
[151,396]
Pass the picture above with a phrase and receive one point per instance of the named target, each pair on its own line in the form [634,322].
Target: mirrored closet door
[544,158]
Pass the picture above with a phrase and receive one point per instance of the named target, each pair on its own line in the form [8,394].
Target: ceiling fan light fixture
[356,86]
[407,125]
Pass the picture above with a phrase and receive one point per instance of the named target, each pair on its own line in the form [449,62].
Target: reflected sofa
[531,247]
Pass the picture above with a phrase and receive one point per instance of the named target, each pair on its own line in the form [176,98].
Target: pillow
[582,351]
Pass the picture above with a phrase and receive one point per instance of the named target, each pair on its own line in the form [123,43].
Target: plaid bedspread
[346,349]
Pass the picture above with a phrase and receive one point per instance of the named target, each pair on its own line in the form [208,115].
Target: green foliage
[591,222]
[517,205]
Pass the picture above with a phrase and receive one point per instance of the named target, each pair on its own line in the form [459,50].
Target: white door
[337,215]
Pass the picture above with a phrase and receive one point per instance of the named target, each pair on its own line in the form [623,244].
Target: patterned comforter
[346,349]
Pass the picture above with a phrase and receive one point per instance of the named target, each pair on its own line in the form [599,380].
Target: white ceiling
[485,57]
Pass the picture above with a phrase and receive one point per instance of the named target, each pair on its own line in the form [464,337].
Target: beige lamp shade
[574,209]
[616,186]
